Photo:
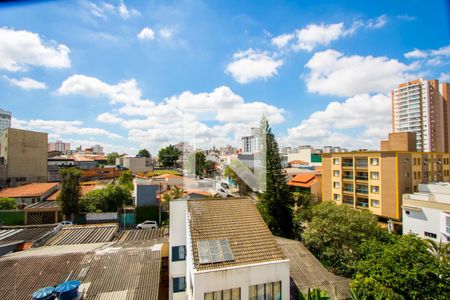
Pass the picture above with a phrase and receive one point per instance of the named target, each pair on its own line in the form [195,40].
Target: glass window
[375,189]
[375,203]
[336,197]
[336,173]
[230,294]
[374,161]
[374,175]
[178,253]
[179,284]
[336,161]
[336,185]
[267,291]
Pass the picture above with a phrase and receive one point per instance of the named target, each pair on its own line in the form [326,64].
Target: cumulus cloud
[251,65]
[377,22]
[20,49]
[59,128]
[359,121]
[416,53]
[436,53]
[146,34]
[444,77]
[166,33]
[27,83]
[109,118]
[333,73]
[282,40]
[101,10]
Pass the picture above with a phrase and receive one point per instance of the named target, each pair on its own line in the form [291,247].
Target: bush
[14,217]
[7,203]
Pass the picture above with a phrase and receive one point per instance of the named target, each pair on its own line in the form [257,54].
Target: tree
[197,162]
[111,158]
[176,192]
[108,199]
[126,179]
[303,203]
[169,156]
[402,266]
[69,197]
[144,152]
[335,232]
[210,167]
[440,250]
[275,204]
[315,294]
[7,203]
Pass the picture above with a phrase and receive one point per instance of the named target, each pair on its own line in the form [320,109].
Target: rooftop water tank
[44,293]
[68,290]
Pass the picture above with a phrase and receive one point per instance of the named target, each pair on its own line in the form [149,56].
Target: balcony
[362,177]
[348,200]
[362,203]
[347,163]
[362,189]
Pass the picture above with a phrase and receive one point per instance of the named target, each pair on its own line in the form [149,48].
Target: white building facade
[193,276]
[5,119]
[59,146]
[426,213]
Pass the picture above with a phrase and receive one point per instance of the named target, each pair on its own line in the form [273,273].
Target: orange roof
[84,190]
[198,192]
[168,176]
[28,190]
[303,180]
[298,162]
[318,169]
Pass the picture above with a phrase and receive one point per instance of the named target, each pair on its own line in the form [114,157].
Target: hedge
[12,217]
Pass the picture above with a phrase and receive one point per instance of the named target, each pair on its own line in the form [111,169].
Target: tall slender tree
[275,203]
[70,192]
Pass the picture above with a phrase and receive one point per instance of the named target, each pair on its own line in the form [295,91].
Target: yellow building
[376,180]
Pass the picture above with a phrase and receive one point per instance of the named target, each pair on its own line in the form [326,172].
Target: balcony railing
[362,191]
[365,178]
[363,204]
[348,177]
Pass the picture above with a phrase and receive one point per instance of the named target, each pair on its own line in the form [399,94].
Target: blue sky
[134,74]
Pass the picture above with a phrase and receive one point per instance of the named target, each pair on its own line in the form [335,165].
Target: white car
[147,225]
[66,223]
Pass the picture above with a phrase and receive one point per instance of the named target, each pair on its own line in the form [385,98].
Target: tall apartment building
[23,157]
[5,119]
[59,146]
[421,106]
[376,180]
[251,143]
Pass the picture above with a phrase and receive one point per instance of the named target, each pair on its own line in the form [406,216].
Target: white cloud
[377,22]
[165,33]
[146,34]
[314,35]
[332,73]
[251,65]
[416,53]
[27,83]
[358,122]
[443,51]
[282,40]
[59,127]
[102,9]
[444,77]
[109,118]
[20,49]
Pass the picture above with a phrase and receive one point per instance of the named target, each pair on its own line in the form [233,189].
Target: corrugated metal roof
[142,234]
[83,235]
[131,269]
[308,273]
[237,220]
[27,234]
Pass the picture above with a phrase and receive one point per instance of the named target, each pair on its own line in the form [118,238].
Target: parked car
[66,223]
[147,225]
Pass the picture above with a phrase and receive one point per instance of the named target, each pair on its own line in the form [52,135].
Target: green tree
[403,266]
[275,203]
[111,158]
[69,197]
[210,167]
[7,203]
[440,250]
[169,156]
[126,179]
[303,203]
[144,152]
[93,201]
[197,161]
[108,199]
[335,233]
[315,294]
[176,192]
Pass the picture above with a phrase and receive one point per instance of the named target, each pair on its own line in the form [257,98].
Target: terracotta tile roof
[168,176]
[84,190]
[303,180]
[238,221]
[28,190]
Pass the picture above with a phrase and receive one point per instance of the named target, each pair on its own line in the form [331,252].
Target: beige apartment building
[376,180]
[23,157]
[422,106]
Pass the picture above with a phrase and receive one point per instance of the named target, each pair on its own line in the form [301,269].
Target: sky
[145,74]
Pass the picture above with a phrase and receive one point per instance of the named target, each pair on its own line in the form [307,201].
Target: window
[230,294]
[336,185]
[265,291]
[374,175]
[178,253]
[179,284]
[336,173]
[375,203]
[336,197]
[335,161]
[374,161]
[375,189]
[430,234]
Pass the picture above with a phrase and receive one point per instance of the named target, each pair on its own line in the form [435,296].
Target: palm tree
[176,192]
[440,250]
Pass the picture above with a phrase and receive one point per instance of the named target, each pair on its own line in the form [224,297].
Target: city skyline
[130,75]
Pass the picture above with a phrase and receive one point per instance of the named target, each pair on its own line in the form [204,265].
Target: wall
[243,277]
[146,194]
